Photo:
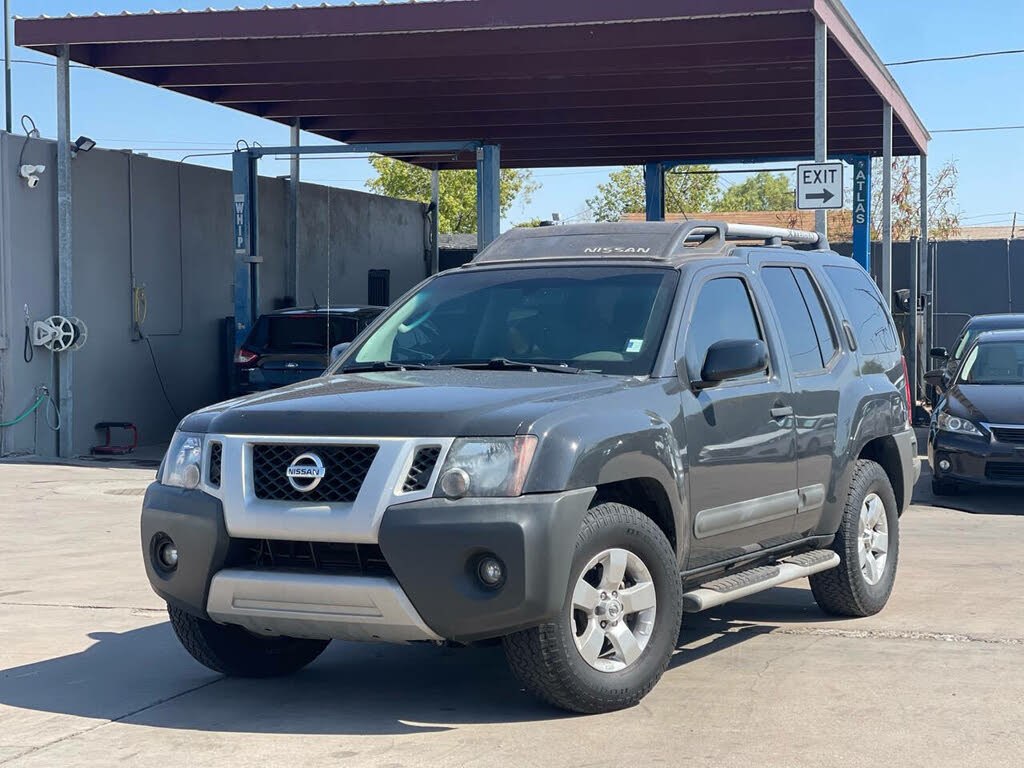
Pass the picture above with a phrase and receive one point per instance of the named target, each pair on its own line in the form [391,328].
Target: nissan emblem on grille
[305,472]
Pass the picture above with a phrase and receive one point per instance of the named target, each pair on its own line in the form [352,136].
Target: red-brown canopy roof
[554,82]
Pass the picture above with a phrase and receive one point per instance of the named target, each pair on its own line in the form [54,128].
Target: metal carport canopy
[553,82]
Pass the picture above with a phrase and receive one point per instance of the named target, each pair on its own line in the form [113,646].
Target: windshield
[994,362]
[601,319]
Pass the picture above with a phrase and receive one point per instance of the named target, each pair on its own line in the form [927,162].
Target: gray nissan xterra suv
[565,444]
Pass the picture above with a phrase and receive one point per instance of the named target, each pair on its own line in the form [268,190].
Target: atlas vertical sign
[861,191]
[862,211]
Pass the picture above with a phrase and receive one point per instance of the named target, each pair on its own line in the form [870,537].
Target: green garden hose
[26,414]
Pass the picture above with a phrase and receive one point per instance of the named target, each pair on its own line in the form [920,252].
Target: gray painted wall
[167,227]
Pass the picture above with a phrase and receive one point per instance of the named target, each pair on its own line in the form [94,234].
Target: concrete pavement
[92,674]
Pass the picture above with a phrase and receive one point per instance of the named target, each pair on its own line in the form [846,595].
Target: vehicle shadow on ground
[143,677]
[973,501]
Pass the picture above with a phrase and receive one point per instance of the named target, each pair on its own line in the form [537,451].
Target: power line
[960,57]
[982,129]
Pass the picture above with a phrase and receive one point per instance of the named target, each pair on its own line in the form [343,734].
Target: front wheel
[235,652]
[868,545]
[618,627]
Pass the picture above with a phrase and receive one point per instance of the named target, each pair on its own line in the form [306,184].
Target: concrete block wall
[167,227]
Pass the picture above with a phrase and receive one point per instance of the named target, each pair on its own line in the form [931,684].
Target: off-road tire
[843,590]
[545,658]
[944,487]
[235,652]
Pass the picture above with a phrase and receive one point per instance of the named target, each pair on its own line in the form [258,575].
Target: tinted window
[819,315]
[605,319]
[868,314]
[301,333]
[723,311]
[797,328]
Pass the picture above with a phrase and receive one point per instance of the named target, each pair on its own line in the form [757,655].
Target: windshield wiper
[387,365]
[503,363]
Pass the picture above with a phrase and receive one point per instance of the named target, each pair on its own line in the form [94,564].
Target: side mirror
[732,358]
[936,378]
[338,350]
[940,353]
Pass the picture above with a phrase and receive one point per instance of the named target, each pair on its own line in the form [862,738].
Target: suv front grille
[1009,434]
[422,468]
[1004,470]
[318,556]
[345,469]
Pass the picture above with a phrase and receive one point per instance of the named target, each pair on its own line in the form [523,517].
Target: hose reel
[59,334]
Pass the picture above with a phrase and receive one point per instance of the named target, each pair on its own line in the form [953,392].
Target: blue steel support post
[246,229]
[488,194]
[654,188]
[862,211]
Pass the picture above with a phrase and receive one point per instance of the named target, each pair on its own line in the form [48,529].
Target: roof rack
[717,233]
[640,241]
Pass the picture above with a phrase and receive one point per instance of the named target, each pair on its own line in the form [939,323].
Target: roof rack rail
[719,232]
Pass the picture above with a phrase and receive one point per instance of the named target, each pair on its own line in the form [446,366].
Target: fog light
[944,465]
[455,483]
[168,555]
[490,571]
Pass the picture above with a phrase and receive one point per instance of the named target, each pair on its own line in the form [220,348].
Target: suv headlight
[487,466]
[183,464]
[956,424]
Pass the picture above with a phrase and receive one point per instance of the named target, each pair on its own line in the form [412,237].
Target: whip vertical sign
[241,226]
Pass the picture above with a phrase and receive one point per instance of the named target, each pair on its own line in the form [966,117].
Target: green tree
[396,178]
[624,192]
[943,210]
[764,191]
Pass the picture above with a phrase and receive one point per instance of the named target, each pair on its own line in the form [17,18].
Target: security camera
[31,174]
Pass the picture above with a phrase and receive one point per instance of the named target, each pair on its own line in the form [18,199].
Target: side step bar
[759,579]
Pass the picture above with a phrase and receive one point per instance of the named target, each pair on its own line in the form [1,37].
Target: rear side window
[797,327]
[723,311]
[823,327]
[868,314]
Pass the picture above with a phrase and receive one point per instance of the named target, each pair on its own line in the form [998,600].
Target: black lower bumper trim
[434,547]
[194,521]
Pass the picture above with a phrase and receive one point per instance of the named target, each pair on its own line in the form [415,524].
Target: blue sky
[982,92]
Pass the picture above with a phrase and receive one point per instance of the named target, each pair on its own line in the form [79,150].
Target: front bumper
[431,547]
[975,460]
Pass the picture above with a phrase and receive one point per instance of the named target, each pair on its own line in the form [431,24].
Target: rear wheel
[868,544]
[235,652]
[618,627]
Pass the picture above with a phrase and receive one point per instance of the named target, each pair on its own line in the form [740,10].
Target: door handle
[782,412]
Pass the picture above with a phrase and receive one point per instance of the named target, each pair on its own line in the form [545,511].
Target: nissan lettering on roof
[819,186]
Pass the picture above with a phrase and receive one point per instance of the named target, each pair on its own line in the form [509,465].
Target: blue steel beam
[488,194]
[862,211]
[386,148]
[654,190]
[246,246]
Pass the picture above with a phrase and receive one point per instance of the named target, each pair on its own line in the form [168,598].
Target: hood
[442,403]
[991,403]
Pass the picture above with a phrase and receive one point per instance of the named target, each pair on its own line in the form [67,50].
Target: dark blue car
[292,345]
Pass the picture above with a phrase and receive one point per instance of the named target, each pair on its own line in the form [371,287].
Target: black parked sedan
[977,430]
[292,345]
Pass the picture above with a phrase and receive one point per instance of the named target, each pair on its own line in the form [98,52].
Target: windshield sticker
[634,345]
